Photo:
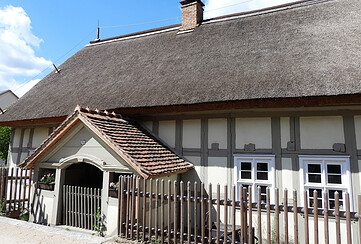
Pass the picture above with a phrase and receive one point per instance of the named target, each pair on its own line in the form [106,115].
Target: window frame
[324,160]
[271,182]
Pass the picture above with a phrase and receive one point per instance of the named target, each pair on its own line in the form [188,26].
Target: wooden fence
[14,189]
[80,206]
[170,212]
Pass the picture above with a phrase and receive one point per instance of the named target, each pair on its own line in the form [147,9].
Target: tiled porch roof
[139,148]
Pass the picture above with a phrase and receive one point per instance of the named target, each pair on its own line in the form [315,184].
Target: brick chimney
[192,14]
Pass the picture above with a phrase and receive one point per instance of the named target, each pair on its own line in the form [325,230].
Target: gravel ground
[20,232]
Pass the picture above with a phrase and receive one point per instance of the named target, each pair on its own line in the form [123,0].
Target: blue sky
[35,34]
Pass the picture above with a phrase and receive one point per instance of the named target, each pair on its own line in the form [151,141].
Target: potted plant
[47,182]
[113,189]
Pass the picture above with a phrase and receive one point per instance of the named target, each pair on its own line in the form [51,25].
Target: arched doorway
[83,175]
[81,195]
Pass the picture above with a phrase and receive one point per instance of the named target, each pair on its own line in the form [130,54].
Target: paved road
[21,232]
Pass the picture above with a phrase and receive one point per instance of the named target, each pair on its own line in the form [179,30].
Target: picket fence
[14,189]
[146,214]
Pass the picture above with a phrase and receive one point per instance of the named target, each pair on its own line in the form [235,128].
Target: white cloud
[17,43]
[216,8]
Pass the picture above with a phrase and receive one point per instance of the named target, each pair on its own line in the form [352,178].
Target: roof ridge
[209,21]
[97,111]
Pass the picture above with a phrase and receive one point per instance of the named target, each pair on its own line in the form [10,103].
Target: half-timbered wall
[211,141]
[24,140]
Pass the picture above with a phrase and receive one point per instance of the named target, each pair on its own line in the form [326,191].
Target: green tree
[5,133]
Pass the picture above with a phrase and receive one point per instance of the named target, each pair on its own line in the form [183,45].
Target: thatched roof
[301,51]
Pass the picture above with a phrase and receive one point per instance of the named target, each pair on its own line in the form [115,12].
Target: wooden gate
[80,205]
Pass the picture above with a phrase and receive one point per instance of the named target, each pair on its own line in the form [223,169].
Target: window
[255,171]
[326,174]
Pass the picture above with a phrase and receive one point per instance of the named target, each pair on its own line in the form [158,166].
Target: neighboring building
[270,98]
[7,97]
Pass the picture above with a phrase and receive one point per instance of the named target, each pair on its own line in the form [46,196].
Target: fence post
[162,212]
[225,232]
[277,213]
[218,214]
[315,216]
[29,190]
[305,210]
[259,214]
[120,205]
[348,217]
[210,208]
[295,216]
[181,212]
[359,217]
[144,208]
[325,216]
[337,216]
[156,225]
[169,211]
[285,204]
[175,194]
[250,226]
[189,212]
[268,216]
[203,233]
[195,212]
[138,207]
[150,208]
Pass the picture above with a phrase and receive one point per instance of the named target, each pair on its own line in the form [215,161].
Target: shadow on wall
[38,208]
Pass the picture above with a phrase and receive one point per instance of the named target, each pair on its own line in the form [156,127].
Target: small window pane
[332,194]
[319,192]
[246,166]
[319,203]
[333,204]
[262,166]
[262,176]
[263,189]
[263,198]
[245,175]
[314,168]
[335,179]
[334,169]
[314,178]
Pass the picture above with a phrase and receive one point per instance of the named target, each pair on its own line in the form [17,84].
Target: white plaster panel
[217,132]
[112,217]
[217,171]
[23,156]
[40,133]
[148,125]
[93,146]
[167,131]
[11,159]
[192,133]
[253,130]
[321,132]
[26,137]
[287,175]
[196,161]
[358,131]
[285,131]
[43,203]
[17,135]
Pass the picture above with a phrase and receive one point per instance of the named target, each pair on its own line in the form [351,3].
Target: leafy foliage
[48,178]
[100,227]
[5,133]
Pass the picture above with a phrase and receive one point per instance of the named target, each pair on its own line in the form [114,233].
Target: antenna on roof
[98,32]
[56,69]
